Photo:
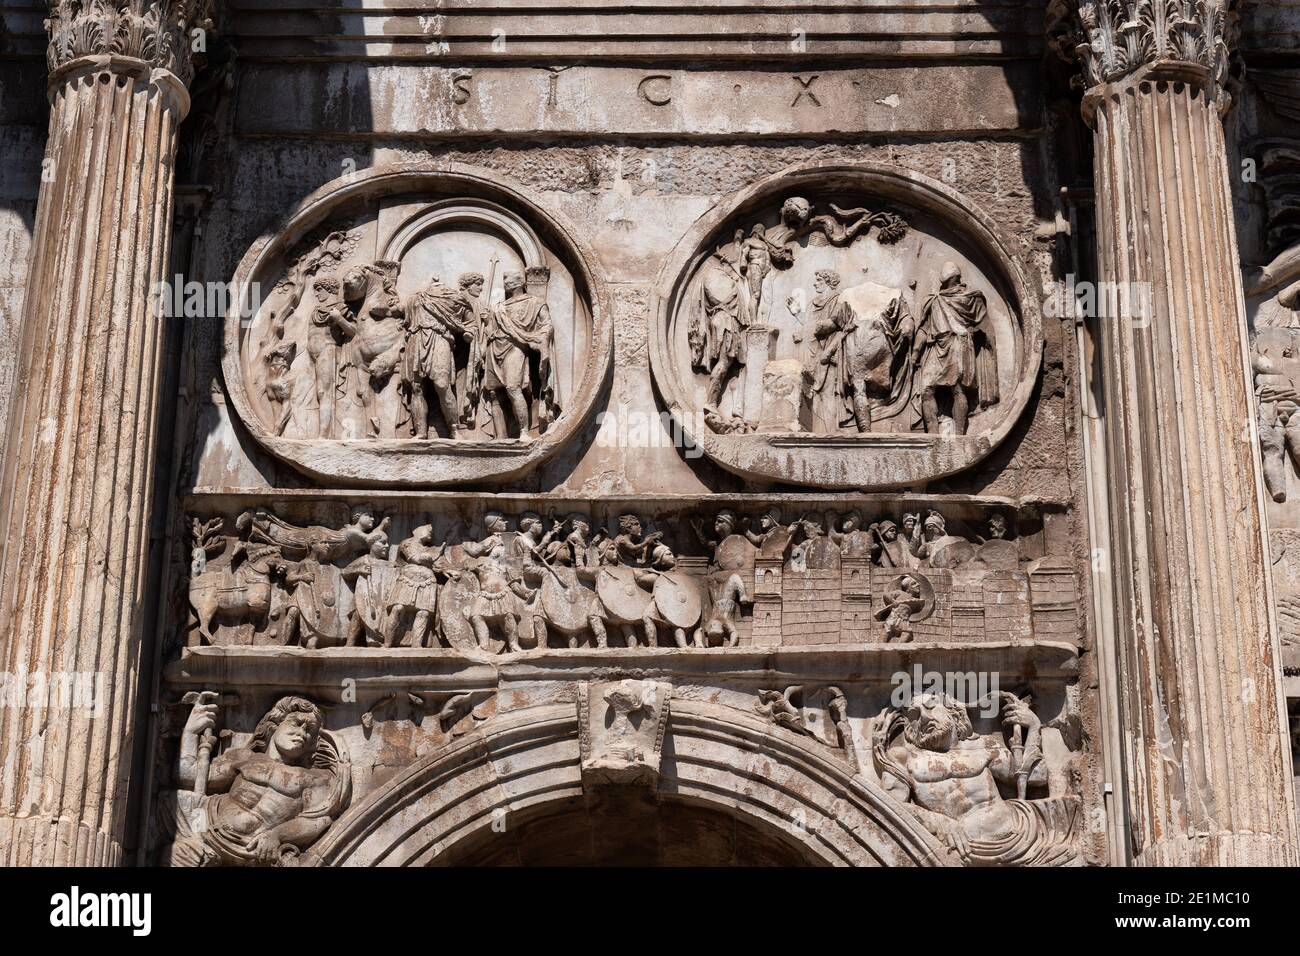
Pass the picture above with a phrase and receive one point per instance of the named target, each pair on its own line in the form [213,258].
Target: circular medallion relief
[837,326]
[415,327]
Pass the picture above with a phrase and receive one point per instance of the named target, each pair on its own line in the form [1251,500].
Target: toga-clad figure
[859,360]
[519,360]
[954,351]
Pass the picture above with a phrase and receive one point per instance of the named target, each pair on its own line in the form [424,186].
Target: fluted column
[1207,761]
[78,466]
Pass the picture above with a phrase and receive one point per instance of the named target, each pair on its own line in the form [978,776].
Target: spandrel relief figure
[257,805]
[954,353]
[929,756]
[519,362]
[444,329]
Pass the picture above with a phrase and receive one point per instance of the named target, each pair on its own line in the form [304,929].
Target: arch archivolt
[796,791]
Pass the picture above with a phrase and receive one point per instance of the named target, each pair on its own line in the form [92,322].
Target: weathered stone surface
[656,435]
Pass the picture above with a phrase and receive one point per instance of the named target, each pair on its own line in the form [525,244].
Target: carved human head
[949,275]
[326,288]
[580,524]
[471,282]
[724,522]
[379,547]
[289,730]
[495,522]
[512,281]
[888,530]
[363,517]
[529,522]
[423,534]
[997,526]
[629,524]
[770,519]
[851,520]
[910,585]
[934,525]
[936,722]
[826,279]
[909,522]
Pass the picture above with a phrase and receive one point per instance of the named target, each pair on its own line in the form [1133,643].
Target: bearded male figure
[928,755]
[257,805]
[519,360]
[441,327]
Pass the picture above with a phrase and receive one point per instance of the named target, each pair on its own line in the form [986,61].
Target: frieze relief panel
[491,580]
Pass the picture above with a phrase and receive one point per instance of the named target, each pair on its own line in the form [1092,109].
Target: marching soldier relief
[632,436]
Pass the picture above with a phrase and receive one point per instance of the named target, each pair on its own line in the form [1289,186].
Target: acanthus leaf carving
[160,32]
[1113,38]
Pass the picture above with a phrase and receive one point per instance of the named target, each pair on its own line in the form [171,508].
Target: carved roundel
[846,327]
[410,326]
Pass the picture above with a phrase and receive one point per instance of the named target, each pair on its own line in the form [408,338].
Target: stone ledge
[383,670]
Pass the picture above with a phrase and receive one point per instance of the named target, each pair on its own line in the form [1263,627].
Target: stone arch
[789,789]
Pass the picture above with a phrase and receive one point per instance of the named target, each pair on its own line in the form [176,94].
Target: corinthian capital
[1114,38]
[166,34]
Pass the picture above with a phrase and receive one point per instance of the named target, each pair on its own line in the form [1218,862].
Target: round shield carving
[565,602]
[734,553]
[373,337]
[842,326]
[624,599]
[678,598]
[453,618]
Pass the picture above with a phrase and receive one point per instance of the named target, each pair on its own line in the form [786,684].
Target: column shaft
[1209,779]
[79,466]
